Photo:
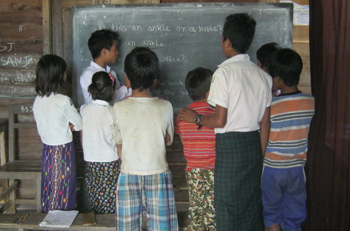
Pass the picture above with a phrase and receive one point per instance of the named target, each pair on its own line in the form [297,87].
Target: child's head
[239,29]
[101,87]
[285,64]
[141,66]
[50,75]
[198,83]
[264,51]
[103,39]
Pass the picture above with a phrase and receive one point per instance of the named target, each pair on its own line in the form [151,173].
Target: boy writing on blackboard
[241,93]
[283,178]
[141,124]
[199,151]
[103,47]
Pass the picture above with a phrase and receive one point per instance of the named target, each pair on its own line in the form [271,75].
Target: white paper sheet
[59,219]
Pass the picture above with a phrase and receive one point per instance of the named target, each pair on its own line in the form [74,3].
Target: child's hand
[187,114]
[71,126]
[127,83]
[167,140]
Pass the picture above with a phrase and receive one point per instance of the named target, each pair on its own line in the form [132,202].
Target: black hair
[265,50]
[198,83]
[50,71]
[101,39]
[142,68]
[287,64]
[239,29]
[101,87]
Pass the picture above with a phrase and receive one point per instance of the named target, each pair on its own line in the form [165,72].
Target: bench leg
[12,209]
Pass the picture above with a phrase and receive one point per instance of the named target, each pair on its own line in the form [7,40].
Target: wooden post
[47,35]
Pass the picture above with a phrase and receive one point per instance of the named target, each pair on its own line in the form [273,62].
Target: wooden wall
[29,28]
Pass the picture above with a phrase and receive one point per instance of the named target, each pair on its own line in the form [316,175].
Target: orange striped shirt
[199,145]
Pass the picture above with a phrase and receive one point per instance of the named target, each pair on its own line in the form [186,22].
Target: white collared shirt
[244,89]
[98,144]
[121,92]
[52,116]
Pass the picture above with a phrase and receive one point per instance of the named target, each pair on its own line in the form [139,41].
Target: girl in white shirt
[56,118]
[100,152]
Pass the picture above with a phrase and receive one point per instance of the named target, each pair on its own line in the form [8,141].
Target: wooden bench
[104,222]
[13,168]
[11,221]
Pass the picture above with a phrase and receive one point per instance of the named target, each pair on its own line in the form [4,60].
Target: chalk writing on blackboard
[184,36]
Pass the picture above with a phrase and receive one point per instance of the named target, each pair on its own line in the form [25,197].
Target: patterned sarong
[201,196]
[101,181]
[58,177]
[238,170]
[150,193]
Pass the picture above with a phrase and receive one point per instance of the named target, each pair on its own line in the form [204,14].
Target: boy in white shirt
[103,47]
[241,93]
[141,123]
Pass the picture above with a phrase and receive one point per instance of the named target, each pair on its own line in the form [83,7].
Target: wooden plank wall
[29,27]
[21,46]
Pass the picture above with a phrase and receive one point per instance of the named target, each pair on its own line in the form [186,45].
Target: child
[241,93]
[283,179]
[100,152]
[103,47]
[141,124]
[199,150]
[55,116]
[262,55]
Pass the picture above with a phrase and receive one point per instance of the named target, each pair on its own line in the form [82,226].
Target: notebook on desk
[59,219]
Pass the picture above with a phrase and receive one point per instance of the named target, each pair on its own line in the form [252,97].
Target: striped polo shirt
[199,145]
[291,116]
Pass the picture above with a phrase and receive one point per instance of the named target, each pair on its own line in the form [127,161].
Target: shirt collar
[198,104]
[100,102]
[98,67]
[236,58]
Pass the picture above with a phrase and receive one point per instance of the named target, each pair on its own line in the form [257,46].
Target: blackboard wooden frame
[184,36]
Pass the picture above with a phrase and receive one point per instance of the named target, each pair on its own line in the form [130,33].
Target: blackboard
[184,36]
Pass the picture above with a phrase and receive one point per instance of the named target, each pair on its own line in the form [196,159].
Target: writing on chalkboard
[18,77]
[18,91]
[26,109]
[184,36]
[19,61]
[6,46]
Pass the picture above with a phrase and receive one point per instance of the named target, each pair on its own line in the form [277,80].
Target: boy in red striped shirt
[199,150]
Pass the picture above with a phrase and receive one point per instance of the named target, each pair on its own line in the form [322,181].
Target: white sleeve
[85,81]
[121,93]
[218,94]
[72,114]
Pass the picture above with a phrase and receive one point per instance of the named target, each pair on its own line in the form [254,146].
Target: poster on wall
[301,13]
